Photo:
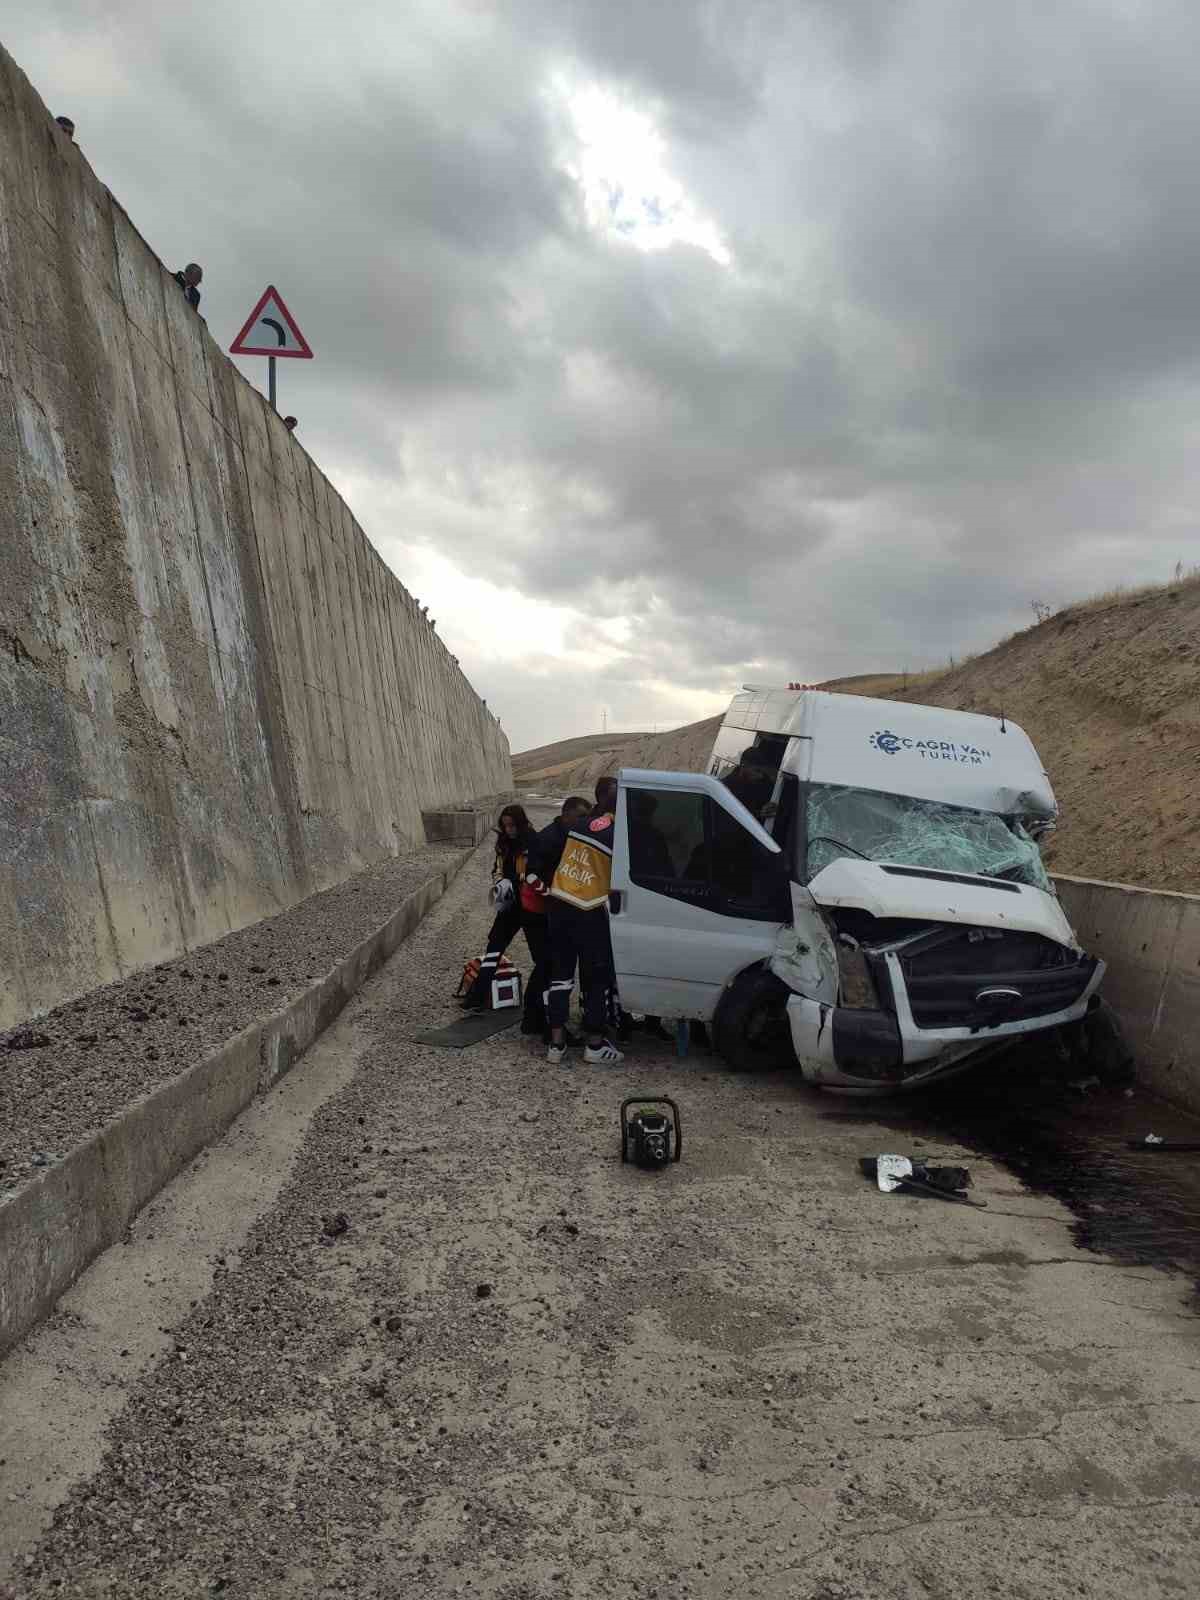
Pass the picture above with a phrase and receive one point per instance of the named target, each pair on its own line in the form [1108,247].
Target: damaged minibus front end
[943,935]
[926,970]
[854,887]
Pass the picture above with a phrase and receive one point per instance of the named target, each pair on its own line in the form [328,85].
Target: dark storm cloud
[704,59]
[952,367]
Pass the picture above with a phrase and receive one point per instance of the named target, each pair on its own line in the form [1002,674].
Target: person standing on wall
[189,281]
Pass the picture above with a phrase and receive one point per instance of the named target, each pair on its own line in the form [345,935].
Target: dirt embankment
[575,764]
[550,761]
[1109,691]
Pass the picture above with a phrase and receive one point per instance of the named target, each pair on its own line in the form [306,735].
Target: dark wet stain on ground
[1137,1206]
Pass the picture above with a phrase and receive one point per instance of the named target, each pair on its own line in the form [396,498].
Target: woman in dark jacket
[519,908]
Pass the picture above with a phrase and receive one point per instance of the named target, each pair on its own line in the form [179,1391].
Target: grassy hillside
[1109,691]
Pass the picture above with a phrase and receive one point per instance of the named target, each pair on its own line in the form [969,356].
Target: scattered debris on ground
[700,1387]
[63,1078]
[892,1172]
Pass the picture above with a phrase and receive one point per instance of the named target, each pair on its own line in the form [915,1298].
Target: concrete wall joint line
[195,528]
[1168,968]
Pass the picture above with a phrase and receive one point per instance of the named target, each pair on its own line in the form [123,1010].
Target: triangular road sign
[271,330]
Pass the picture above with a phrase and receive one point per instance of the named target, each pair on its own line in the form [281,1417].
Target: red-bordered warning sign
[271,330]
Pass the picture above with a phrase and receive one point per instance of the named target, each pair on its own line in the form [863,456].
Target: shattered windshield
[906,831]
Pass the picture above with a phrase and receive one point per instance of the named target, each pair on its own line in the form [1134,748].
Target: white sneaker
[603,1055]
[555,1054]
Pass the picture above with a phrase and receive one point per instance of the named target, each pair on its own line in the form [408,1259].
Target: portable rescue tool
[648,1136]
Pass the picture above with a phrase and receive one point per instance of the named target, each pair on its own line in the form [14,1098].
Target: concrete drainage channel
[56,1225]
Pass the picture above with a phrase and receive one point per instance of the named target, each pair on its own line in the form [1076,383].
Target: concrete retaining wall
[1151,942]
[215,699]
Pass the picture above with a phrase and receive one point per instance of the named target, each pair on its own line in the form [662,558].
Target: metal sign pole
[271,381]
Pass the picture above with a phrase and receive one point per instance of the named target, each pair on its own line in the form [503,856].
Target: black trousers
[578,939]
[614,1017]
[538,940]
[511,921]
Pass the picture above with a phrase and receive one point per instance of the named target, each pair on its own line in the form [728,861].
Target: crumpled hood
[925,895]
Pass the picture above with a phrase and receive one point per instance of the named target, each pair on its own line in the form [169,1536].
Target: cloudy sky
[664,345]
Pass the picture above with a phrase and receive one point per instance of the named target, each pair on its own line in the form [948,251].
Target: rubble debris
[888,1171]
[69,1073]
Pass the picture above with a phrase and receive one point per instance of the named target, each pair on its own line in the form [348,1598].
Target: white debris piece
[889,1170]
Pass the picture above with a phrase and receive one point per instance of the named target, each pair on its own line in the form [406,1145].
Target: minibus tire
[751,1028]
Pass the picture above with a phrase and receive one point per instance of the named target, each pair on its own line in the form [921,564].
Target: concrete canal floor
[522,1369]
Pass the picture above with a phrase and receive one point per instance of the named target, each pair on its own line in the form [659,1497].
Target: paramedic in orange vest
[541,863]
[577,917]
